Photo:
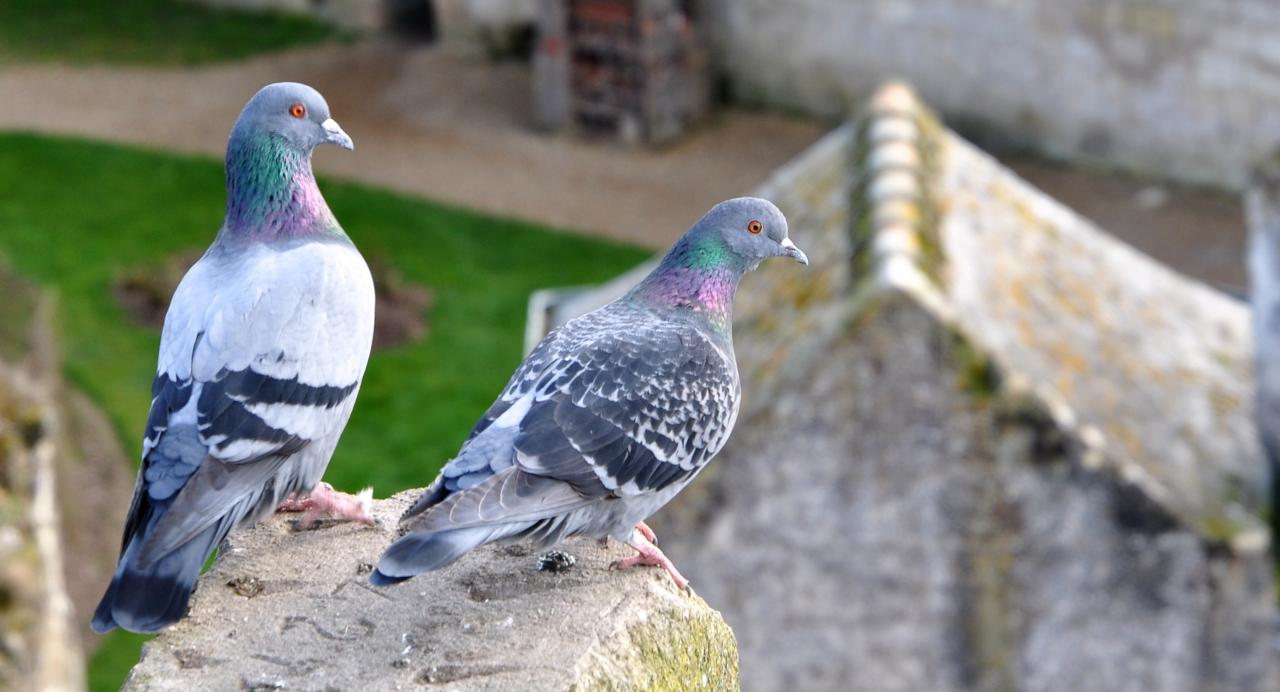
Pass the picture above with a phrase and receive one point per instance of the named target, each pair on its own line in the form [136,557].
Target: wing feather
[601,408]
[261,356]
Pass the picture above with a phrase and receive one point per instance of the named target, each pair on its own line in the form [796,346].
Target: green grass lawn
[74,215]
[149,32]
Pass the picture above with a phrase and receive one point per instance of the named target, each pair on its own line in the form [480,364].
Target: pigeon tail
[425,551]
[147,598]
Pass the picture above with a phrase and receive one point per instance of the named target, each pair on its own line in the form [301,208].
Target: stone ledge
[294,610]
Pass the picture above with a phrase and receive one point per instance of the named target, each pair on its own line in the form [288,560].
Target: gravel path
[435,122]
[426,121]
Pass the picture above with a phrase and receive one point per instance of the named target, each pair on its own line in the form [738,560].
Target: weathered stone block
[295,610]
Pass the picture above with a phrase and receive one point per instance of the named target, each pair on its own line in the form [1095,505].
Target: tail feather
[148,598]
[424,551]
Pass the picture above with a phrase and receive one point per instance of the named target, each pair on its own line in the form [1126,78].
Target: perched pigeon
[1262,206]
[610,416]
[262,353]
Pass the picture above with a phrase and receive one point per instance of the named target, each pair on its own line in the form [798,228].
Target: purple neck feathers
[271,192]
[699,275]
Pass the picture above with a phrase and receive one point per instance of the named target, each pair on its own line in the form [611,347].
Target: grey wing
[626,414]
[218,444]
[483,454]
[525,377]
[635,413]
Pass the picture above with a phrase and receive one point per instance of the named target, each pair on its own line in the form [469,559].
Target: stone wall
[282,609]
[65,485]
[39,642]
[1170,87]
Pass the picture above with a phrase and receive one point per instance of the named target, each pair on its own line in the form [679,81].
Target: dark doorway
[412,20]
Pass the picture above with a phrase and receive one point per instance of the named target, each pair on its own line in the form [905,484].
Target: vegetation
[76,215]
[149,32]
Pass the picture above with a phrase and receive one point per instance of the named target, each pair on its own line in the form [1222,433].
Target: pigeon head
[700,274]
[751,230]
[271,191]
[294,113]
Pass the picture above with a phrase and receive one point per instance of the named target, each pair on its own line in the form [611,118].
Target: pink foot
[325,502]
[649,554]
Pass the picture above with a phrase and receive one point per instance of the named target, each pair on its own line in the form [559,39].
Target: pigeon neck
[271,192]
[699,275]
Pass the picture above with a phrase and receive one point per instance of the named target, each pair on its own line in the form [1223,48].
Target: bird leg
[648,532]
[325,502]
[649,554]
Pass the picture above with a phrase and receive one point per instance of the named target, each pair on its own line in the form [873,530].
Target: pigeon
[609,417]
[261,357]
[1262,207]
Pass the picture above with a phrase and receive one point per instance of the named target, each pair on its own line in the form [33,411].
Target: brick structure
[635,69]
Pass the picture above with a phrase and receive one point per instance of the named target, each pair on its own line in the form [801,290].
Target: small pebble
[556,562]
[247,586]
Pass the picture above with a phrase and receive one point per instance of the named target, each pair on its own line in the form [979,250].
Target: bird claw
[324,502]
[648,554]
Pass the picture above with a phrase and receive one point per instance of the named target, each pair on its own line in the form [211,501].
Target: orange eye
[297,110]
[755,226]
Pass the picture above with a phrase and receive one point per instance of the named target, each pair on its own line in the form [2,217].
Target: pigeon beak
[334,135]
[790,250]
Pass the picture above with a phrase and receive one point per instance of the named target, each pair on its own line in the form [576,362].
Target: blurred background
[507,146]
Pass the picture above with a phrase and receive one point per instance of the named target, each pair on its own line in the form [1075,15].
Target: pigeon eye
[755,226]
[297,110]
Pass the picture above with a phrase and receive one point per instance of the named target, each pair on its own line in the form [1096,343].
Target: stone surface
[1173,87]
[983,445]
[39,642]
[294,610]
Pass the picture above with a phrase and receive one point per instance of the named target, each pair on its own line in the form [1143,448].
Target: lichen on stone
[671,650]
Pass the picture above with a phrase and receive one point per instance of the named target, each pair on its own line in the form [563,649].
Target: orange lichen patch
[1223,401]
[1076,295]
[810,293]
[1065,384]
[762,322]
[1128,440]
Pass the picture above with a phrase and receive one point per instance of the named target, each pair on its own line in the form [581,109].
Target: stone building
[983,445]
[1171,88]
[1174,88]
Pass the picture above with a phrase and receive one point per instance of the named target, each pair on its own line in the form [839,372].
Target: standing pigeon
[610,416]
[262,353]
[1262,206]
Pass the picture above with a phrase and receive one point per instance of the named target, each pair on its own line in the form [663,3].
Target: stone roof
[998,448]
[1148,370]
